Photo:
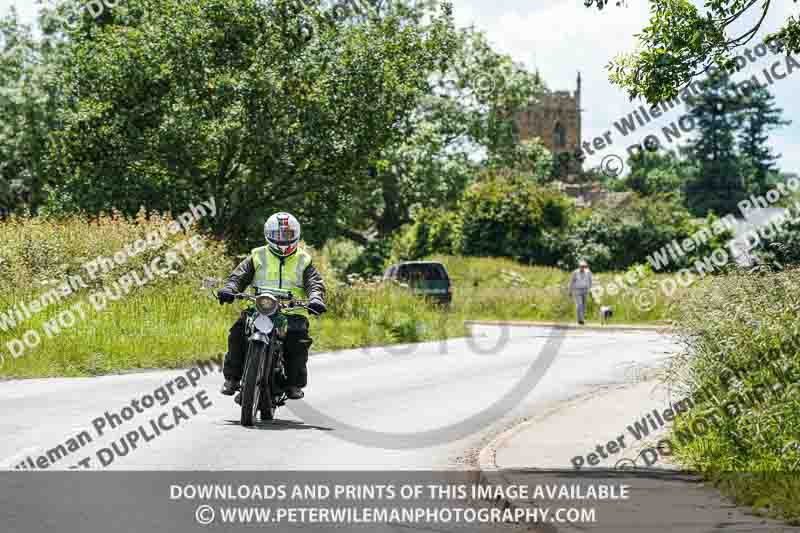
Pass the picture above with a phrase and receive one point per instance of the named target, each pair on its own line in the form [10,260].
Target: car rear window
[431,272]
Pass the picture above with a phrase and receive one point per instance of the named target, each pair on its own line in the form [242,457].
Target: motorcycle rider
[281,264]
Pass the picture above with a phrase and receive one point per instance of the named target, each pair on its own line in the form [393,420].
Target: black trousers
[295,345]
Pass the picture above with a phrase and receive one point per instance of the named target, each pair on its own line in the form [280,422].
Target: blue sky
[561,37]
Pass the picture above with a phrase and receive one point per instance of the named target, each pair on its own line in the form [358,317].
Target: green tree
[781,249]
[619,236]
[717,184]
[759,116]
[264,106]
[29,101]
[462,125]
[654,173]
[682,41]
[529,158]
[433,231]
[508,215]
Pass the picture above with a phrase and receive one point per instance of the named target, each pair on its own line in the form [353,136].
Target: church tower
[556,119]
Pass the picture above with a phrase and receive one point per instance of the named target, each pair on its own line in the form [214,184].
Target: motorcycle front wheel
[268,406]
[252,382]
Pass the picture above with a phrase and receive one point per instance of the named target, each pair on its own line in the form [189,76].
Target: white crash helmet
[282,232]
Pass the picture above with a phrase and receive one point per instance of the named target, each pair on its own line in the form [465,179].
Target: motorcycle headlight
[266,304]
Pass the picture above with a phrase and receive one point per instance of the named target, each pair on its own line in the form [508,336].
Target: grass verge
[501,289]
[742,365]
[169,322]
[174,327]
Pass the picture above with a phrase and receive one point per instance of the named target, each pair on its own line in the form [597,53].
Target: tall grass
[742,355]
[171,322]
[153,328]
[157,325]
[499,288]
[35,252]
[375,314]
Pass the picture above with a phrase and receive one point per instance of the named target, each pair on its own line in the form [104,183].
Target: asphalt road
[402,408]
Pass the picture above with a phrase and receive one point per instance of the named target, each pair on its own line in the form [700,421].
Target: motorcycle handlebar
[291,304]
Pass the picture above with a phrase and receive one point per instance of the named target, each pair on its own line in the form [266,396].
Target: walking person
[579,286]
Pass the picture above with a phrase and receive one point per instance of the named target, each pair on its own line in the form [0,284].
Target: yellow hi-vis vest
[271,274]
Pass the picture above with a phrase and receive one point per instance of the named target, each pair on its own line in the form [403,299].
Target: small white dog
[605,313]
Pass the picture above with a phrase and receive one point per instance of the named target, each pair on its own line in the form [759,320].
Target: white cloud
[26,9]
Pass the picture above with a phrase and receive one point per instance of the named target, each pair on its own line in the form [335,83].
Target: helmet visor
[283,236]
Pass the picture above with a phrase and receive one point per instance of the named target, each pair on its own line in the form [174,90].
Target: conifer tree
[717,184]
[759,115]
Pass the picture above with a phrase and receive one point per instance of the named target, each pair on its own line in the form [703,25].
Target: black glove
[317,307]
[226,296]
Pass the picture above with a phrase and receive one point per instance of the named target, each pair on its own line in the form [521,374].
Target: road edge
[617,328]
[490,474]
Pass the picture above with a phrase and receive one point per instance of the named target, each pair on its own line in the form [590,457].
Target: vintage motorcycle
[264,377]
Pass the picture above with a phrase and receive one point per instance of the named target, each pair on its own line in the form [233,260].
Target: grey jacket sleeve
[313,284]
[241,277]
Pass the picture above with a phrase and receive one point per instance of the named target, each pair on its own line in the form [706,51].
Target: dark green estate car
[426,278]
